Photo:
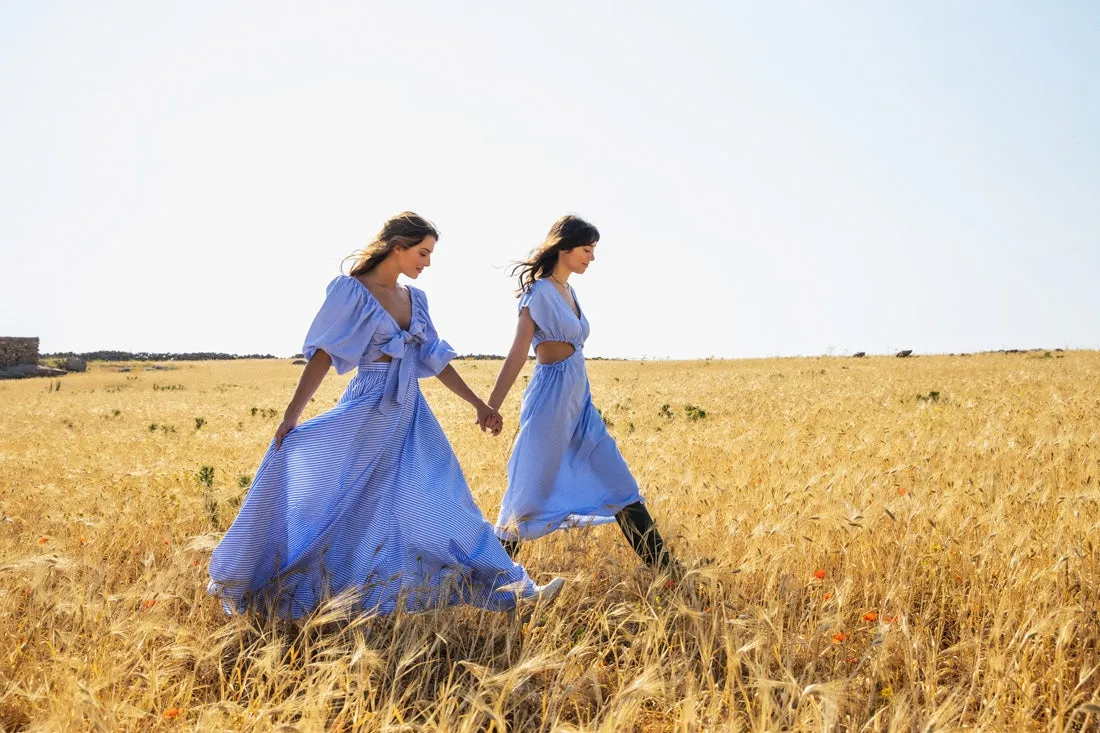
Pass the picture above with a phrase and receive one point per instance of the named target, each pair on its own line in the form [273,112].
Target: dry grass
[962,524]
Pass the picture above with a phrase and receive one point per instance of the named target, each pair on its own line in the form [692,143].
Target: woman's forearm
[312,376]
[453,381]
[511,368]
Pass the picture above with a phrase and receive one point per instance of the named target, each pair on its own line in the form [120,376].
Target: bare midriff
[551,352]
[384,358]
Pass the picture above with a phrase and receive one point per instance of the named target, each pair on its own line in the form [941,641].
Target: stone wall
[15,351]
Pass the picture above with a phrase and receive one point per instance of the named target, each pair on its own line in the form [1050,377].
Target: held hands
[288,424]
[489,419]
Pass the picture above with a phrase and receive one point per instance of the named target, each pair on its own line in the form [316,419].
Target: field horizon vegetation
[874,544]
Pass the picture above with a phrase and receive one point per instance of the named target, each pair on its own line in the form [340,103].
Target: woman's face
[413,260]
[578,259]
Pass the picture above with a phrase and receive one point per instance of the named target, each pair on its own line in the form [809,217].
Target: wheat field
[875,544]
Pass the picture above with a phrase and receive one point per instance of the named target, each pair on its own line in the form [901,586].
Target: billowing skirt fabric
[366,500]
[565,469]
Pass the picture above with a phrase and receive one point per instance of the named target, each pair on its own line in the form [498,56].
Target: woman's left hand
[489,419]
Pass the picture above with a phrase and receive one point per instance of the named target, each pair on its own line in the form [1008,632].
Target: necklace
[559,282]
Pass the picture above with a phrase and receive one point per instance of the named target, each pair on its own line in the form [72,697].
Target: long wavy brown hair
[402,230]
[567,233]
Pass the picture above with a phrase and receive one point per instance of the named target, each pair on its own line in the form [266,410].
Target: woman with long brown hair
[368,498]
[565,469]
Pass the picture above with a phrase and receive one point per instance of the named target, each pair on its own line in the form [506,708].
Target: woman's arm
[513,363]
[487,417]
[311,379]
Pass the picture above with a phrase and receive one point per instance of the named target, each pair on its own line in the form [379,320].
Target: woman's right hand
[285,427]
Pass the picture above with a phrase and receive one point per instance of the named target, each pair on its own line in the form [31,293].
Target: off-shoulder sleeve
[344,325]
[534,300]
[435,353]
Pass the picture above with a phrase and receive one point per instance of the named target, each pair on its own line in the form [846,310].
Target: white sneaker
[525,609]
[547,593]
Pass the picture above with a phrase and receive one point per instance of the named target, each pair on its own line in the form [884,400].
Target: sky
[769,179]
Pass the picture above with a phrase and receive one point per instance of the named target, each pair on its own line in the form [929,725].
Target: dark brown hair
[402,230]
[567,233]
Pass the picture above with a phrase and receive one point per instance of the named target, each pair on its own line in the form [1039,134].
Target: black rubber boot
[511,547]
[637,525]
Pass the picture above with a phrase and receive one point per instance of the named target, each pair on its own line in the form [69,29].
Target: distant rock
[904,353]
[30,370]
[299,362]
[859,354]
[75,364]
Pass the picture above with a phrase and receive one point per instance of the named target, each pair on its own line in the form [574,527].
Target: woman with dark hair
[565,469]
[368,499]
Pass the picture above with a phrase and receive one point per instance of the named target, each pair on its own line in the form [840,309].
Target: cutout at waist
[551,352]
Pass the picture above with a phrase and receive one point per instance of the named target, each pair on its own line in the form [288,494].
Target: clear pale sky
[769,178]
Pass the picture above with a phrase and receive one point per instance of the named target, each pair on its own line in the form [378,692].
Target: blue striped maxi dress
[367,498]
[565,469]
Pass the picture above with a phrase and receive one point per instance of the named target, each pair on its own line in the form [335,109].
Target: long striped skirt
[367,502]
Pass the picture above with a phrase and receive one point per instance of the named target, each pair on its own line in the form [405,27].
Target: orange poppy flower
[870,616]
[819,574]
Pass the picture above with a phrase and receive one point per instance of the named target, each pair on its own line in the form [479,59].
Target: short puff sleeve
[345,324]
[534,300]
[435,353]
